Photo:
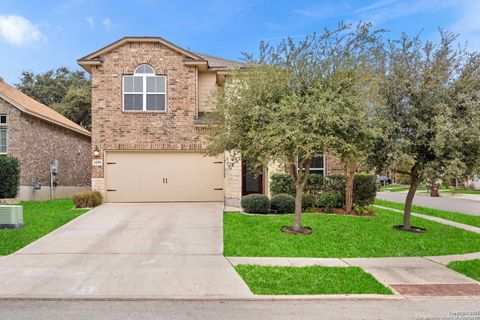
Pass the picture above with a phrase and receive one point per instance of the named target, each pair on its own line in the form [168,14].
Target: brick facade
[114,129]
[36,143]
[175,129]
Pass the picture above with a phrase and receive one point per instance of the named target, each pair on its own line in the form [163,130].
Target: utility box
[11,216]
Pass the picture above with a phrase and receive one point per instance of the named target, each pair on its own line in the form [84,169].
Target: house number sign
[97,162]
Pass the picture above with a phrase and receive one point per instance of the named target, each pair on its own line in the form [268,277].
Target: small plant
[309,202]
[281,183]
[330,200]
[283,203]
[87,199]
[9,177]
[255,203]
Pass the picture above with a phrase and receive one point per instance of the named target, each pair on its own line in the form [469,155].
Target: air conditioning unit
[11,216]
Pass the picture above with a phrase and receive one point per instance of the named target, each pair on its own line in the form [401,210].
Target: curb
[353,297]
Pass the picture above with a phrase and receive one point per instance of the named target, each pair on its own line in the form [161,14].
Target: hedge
[364,187]
[9,177]
[283,183]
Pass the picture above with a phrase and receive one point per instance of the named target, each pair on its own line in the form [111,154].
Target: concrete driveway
[172,250]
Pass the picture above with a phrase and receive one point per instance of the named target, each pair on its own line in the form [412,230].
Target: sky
[42,35]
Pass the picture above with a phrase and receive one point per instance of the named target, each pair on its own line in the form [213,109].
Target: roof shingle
[31,106]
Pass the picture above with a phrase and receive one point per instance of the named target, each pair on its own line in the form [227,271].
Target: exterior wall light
[96,152]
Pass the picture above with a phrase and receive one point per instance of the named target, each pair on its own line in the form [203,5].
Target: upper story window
[3,134]
[144,91]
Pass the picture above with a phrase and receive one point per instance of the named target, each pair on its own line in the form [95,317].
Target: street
[306,310]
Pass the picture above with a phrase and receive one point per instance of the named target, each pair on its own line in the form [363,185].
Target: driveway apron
[171,250]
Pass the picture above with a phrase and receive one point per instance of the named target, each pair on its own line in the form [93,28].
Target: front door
[252,182]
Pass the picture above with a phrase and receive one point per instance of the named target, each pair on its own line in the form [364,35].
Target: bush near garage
[9,177]
[283,203]
[87,199]
[255,203]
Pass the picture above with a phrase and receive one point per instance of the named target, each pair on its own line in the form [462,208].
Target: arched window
[144,91]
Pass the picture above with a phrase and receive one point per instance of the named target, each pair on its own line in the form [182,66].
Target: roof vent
[1,79]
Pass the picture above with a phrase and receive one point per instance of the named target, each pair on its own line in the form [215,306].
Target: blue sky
[41,35]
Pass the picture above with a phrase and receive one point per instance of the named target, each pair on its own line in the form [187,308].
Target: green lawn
[40,217]
[268,280]
[399,188]
[340,236]
[453,216]
[470,268]
[460,190]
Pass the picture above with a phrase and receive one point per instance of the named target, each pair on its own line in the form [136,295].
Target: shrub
[314,184]
[330,200]
[309,201]
[9,177]
[282,183]
[87,199]
[364,190]
[255,203]
[283,203]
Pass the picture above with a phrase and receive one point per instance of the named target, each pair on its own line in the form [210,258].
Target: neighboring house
[149,101]
[36,134]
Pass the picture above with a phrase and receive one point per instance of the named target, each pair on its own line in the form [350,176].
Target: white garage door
[163,176]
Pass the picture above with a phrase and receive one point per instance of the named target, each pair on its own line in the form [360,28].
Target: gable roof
[192,58]
[34,108]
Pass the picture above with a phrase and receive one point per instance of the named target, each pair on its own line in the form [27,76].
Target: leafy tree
[66,91]
[355,81]
[287,106]
[430,116]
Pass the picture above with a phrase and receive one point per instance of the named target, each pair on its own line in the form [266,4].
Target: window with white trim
[317,166]
[144,91]
[3,134]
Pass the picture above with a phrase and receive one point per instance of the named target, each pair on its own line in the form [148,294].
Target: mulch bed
[303,230]
[412,229]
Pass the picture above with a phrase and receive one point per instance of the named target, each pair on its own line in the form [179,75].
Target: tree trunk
[297,223]
[408,204]
[300,179]
[466,181]
[350,170]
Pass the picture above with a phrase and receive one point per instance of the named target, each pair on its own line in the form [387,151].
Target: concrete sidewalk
[466,206]
[409,276]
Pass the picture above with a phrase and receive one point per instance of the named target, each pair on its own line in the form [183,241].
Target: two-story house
[149,97]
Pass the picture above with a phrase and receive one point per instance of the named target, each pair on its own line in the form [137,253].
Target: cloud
[19,31]
[323,10]
[375,5]
[107,23]
[386,10]
[90,21]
